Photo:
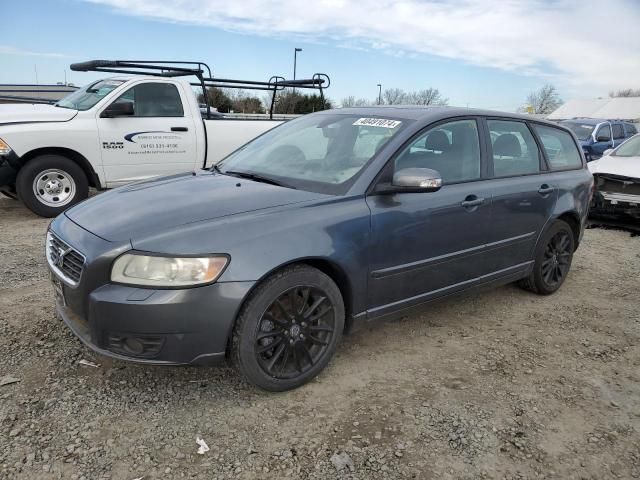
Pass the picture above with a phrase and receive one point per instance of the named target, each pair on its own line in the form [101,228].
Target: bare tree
[429,96]
[394,96]
[543,101]
[352,101]
[627,92]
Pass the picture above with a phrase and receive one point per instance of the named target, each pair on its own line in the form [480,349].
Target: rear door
[158,139]
[524,193]
[429,244]
[618,134]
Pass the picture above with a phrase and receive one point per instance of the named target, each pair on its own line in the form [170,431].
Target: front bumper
[613,204]
[8,170]
[154,326]
[163,327]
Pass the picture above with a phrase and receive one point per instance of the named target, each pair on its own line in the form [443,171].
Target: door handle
[472,201]
[179,129]
[545,189]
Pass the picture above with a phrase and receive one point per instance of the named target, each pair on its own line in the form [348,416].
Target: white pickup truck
[110,133]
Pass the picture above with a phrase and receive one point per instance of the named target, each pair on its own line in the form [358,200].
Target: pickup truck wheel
[288,329]
[554,254]
[50,184]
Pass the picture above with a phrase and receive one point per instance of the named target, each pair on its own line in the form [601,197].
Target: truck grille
[64,260]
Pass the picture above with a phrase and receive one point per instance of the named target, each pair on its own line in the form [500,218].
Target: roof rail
[200,70]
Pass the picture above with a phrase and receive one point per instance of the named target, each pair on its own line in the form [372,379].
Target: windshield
[630,148]
[323,153]
[88,96]
[582,131]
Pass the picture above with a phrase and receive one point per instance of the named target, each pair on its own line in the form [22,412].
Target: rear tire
[553,257]
[288,329]
[50,184]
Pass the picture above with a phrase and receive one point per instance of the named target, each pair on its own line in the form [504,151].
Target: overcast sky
[477,52]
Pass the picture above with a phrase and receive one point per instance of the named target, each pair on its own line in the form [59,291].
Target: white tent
[622,108]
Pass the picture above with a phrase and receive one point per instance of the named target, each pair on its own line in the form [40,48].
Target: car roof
[430,113]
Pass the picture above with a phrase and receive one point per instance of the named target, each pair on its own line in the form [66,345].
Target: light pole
[295,57]
[379,94]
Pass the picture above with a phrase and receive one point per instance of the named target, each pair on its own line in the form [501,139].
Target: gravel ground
[504,385]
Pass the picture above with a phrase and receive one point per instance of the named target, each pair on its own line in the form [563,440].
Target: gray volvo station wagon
[319,227]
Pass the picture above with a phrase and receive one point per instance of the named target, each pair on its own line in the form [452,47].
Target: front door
[157,139]
[425,245]
[603,140]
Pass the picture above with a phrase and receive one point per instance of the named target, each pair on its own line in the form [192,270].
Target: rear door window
[560,148]
[631,129]
[618,131]
[514,150]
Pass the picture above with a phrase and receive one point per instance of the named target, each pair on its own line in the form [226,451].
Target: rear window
[560,148]
[630,129]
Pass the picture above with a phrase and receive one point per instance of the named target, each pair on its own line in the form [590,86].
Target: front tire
[288,329]
[554,254]
[50,184]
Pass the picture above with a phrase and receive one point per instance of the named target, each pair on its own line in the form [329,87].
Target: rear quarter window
[560,148]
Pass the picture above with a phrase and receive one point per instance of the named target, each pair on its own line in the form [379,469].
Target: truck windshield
[324,153]
[582,131]
[630,148]
[88,96]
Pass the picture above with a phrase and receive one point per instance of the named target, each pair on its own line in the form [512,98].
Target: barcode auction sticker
[377,122]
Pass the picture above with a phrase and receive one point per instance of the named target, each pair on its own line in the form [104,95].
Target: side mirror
[608,151]
[413,180]
[119,109]
[602,138]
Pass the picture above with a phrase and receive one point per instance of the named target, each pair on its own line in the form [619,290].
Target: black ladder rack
[202,72]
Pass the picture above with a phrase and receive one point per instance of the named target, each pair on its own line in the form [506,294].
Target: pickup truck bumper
[8,169]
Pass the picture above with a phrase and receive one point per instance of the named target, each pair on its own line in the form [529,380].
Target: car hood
[132,212]
[623,166]
[30,113]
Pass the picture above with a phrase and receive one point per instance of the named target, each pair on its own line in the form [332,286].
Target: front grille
[613,184]
[64,259]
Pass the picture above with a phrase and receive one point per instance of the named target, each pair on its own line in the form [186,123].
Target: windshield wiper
[255,177]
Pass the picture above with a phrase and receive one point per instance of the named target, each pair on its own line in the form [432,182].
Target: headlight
[154,271]
[4,148]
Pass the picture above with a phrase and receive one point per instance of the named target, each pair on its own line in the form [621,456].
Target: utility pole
[35,67]
[295,57]
[379,94]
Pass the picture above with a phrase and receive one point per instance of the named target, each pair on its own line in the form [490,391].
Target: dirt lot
[501,385]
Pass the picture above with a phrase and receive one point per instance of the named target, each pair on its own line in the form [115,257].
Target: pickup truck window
[560,148]
[605,132]
[582,131]
[631,129]
[618,131]
[153,100]
[87,97]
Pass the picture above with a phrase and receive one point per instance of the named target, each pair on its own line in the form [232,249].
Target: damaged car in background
[617,182]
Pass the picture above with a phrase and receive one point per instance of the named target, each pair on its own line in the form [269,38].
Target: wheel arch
[573,220]
[92,176]
[330,268]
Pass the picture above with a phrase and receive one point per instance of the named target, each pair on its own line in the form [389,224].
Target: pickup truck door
[155,134]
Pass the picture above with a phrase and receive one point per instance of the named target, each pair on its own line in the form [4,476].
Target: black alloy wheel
[295,332]
[557,259]
[552,261]
[288,328]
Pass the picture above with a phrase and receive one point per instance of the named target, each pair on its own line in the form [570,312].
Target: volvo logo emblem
[60,258]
